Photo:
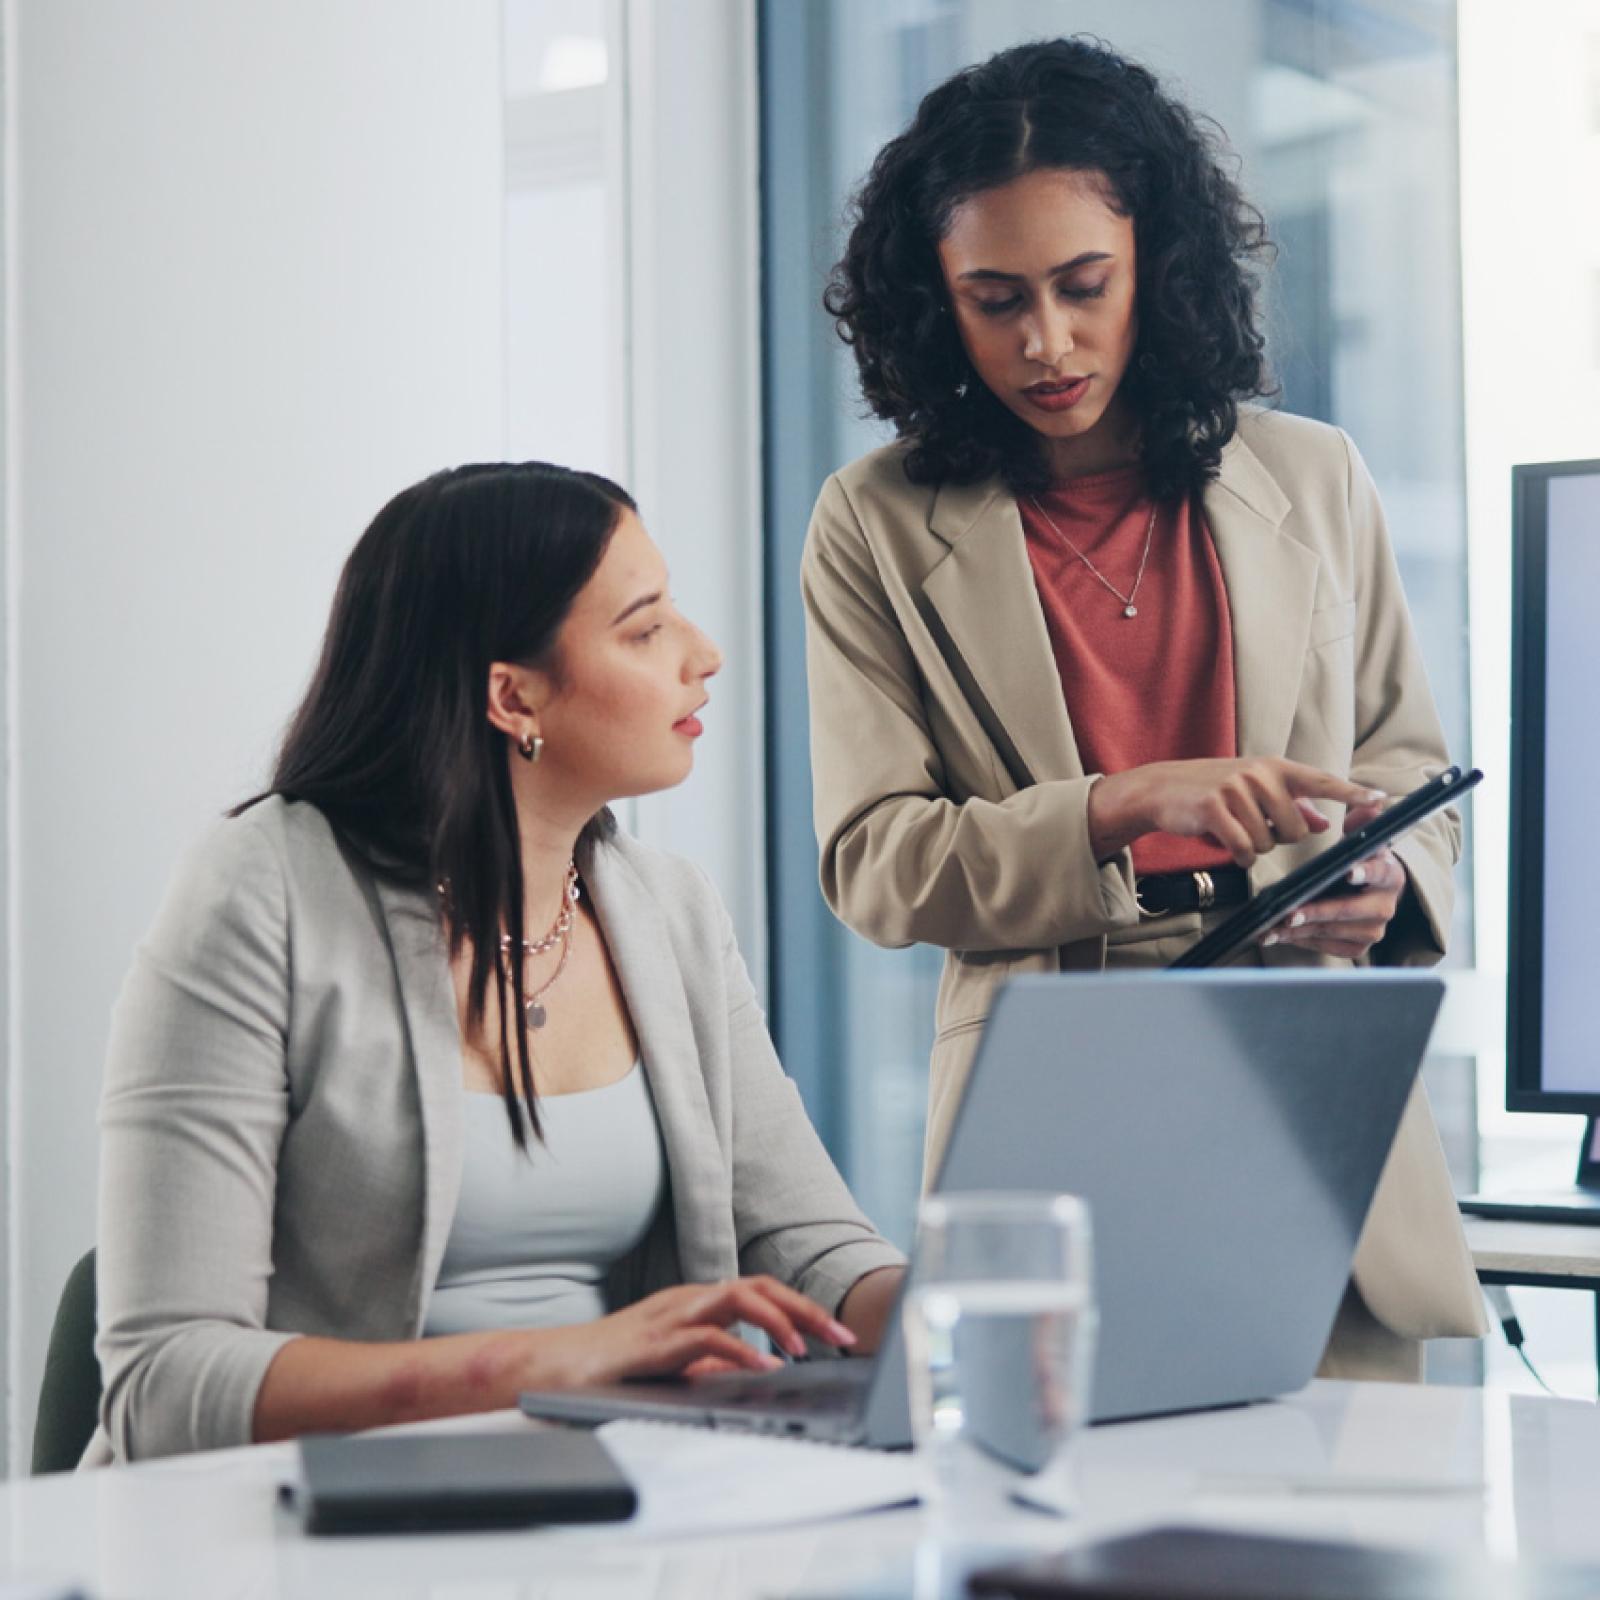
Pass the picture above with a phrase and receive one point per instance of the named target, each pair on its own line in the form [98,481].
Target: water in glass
[1000,1327]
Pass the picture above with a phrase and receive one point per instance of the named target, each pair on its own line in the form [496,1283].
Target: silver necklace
[533,1007]
[1129,609]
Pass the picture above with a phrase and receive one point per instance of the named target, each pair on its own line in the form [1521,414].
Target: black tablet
[1324,871]
[433,1482]
[1214,1564]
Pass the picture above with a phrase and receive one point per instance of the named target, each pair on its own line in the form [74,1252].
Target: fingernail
[1297,919]
[770,1362]
[1271,938]
[1358,875]
[1375,797]
[841,1334]
[797,1345]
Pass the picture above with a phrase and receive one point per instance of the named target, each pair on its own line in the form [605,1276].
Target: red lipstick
[1061,396]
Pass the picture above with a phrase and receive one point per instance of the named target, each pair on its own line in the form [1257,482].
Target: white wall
[258,276]
[254,288]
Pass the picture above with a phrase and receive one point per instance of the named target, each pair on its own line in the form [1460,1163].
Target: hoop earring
[530,747]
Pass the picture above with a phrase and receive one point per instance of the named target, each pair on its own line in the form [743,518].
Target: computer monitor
[1553,977]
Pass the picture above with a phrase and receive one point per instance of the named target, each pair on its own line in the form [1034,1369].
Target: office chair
[69,1395]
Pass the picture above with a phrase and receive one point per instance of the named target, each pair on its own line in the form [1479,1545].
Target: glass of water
[1000,1329]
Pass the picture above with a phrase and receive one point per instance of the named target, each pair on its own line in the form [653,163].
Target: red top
[1154,687]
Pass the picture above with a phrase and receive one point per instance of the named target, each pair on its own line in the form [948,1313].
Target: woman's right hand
[1244,804]
[318,1385]
[685,1330]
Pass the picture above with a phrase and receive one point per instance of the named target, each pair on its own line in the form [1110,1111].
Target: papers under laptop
[1228,1129]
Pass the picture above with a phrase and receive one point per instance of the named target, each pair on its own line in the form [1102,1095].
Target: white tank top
[535,1233]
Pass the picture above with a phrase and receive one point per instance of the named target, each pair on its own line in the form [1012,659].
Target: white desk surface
[1552,1249]
[208,1526]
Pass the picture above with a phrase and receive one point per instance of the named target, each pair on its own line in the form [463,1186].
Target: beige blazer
[281,1125]
[951,805]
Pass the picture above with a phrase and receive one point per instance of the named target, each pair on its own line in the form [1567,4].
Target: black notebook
[1199,1564]
[397,1483]
[1323,873]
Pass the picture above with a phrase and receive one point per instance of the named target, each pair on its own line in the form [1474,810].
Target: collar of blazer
[983,593]
[646,958]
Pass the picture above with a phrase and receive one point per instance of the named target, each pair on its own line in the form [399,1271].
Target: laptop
[1227,1128]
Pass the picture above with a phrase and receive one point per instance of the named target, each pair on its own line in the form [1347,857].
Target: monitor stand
[1580,1203]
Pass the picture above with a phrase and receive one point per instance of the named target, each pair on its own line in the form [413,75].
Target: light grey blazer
[281,1122]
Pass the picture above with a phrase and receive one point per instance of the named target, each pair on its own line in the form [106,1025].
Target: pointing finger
[1320,785]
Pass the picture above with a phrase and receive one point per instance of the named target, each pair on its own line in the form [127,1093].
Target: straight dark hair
[392,742]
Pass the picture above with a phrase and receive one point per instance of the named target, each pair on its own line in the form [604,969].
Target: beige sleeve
[901,861]
[1399,740]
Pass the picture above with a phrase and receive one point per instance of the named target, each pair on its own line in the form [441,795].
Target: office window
[1527,87]
[1344,117]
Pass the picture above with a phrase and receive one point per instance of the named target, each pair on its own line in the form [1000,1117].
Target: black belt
[1164,894]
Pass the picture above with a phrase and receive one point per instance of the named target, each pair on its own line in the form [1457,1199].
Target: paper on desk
[698,1480]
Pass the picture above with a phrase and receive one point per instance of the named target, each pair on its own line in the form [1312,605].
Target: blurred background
[265,265]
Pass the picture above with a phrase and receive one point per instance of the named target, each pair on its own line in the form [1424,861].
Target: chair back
[69,1396]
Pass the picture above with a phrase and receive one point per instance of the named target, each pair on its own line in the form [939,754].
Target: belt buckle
[1144,910]
[1206,890]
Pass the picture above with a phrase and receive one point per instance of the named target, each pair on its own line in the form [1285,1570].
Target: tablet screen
[1323,871]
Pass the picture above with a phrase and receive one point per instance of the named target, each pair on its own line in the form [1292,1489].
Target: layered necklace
[1129,609]
[533,1007]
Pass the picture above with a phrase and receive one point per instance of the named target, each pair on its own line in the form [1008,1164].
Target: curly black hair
[1073,104]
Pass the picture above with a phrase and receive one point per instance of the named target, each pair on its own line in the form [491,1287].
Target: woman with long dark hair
[1097,646]
[430,1085]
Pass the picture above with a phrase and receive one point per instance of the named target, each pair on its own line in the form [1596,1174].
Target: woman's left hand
[865,1311]
[1349,924]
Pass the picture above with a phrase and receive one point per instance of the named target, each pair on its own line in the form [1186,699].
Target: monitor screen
[1553,1055]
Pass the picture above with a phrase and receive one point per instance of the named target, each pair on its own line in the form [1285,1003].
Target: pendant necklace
[1129,609]
[533,1008]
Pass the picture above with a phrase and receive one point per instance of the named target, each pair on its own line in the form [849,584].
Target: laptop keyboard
[806,1387]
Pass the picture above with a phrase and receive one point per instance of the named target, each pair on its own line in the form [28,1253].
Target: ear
[517,695]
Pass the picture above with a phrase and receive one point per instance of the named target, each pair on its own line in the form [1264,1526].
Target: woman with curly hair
[1097,647]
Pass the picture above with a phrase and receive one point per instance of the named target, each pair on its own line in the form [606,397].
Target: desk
[1537,1255]
[208,1526]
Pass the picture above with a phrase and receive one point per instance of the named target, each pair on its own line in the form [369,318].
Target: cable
[1506,1315]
